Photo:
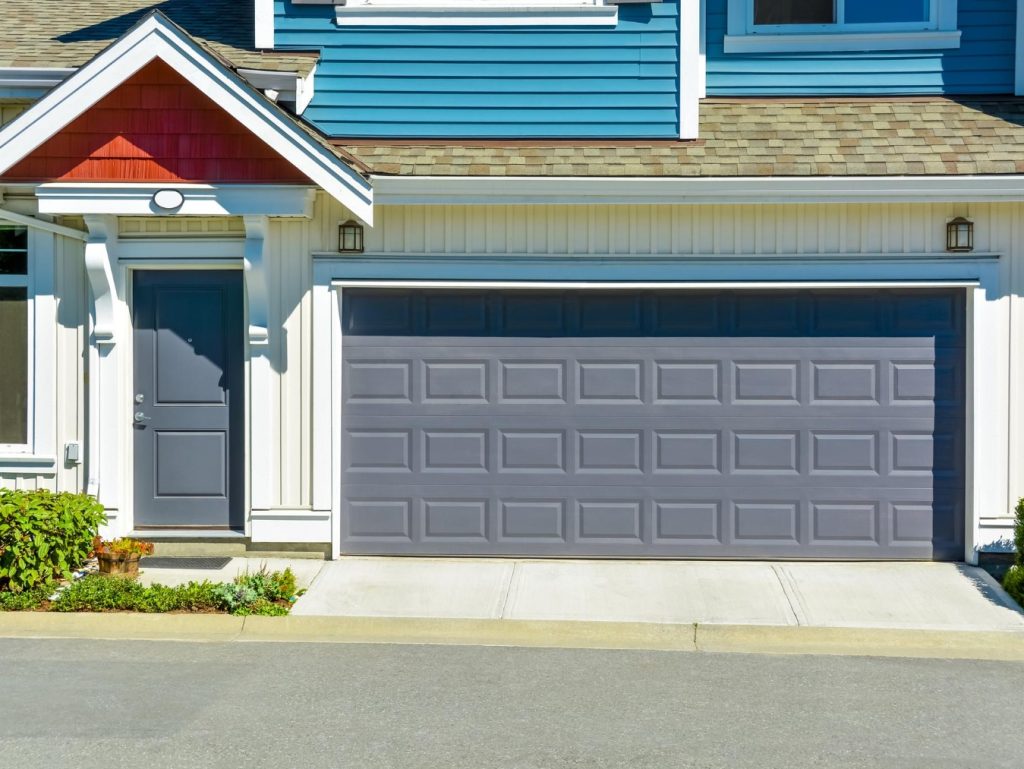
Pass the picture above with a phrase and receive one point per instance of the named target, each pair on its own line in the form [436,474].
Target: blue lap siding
[495,82]
[984,63]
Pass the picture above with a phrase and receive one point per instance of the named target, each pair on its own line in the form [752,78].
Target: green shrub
[96,593]
[44,536]
[26,600]
[1013,583]
[1018,531]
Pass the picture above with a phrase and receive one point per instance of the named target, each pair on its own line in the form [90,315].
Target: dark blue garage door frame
[797,424]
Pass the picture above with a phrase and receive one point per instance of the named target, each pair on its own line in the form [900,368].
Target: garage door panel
[764,424]
[780,522]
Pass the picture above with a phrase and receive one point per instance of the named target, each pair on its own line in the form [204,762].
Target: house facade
[730,278]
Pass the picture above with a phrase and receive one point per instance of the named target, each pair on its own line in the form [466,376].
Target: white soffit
[157,37]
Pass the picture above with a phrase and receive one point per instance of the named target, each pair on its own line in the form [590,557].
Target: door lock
[140,398]
[140,417]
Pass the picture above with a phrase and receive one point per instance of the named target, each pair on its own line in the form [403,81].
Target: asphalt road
[83,704]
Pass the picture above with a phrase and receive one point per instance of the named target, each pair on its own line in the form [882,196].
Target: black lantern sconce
[350,237]
[960,235]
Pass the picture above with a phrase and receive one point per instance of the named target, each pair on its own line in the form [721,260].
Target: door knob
[140,417]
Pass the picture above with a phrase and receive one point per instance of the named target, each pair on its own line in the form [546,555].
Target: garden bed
[262,593]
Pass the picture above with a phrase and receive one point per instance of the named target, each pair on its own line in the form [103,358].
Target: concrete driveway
[925,596]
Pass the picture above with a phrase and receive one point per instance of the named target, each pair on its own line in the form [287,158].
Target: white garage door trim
[978,276]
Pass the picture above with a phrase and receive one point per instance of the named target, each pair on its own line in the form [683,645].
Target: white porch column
[261,380]
[105,463]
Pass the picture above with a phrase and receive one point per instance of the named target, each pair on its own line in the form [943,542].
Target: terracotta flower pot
[120,564]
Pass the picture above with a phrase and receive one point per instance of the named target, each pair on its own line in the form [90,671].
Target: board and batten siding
[984,63]
[70,307]
[433,81]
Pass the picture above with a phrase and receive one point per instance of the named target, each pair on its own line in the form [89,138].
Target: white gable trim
[156,37]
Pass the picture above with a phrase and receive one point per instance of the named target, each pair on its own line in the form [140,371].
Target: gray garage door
[741,424]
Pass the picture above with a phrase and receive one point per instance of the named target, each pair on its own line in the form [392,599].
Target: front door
[188,399]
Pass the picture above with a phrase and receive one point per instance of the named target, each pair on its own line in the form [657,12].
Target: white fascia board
[133,199]
[485,190]
[155,37]
[30,82]
[511,15]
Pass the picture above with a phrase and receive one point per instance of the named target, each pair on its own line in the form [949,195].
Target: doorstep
[867,595]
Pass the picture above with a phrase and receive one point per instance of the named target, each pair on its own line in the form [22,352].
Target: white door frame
[977,275]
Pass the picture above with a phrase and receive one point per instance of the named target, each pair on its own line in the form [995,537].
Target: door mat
[182,562]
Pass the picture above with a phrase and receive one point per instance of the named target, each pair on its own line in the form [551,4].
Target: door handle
[140,417]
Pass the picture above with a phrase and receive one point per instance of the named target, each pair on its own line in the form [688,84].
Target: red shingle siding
[155,127]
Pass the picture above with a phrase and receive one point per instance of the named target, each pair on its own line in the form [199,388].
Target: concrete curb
[750,639]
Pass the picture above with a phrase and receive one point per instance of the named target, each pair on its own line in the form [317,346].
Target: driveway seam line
[507,592]
[792,598]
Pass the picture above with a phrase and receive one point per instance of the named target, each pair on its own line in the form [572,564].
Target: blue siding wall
[983,64]
[498,82]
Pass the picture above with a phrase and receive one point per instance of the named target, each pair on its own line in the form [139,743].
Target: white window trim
[40,446]
[939,32]
[474,13]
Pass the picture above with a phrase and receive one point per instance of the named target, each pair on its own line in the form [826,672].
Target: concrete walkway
[908,596]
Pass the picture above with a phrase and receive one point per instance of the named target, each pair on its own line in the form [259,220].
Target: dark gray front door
[740,424]
[188,399]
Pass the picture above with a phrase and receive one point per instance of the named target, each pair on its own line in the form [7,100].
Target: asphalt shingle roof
[41,33]
[779,137]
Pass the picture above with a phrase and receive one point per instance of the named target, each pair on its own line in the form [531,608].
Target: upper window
[917,13]
[840,25]
[14,336]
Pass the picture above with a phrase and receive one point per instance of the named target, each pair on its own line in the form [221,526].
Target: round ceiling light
[168,200]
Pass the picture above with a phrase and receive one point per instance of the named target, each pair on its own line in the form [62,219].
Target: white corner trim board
[1018,80]
[526,190]
[135,199]
[157,37]
[843,41]
[691,68]
[264,24]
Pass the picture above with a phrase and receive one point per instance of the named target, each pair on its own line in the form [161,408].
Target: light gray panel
[455,382]
[379,450]
[378,381]
[846,452]
[672,424]
[532,382]
[674,521]
[844,382]
[766,382]
[687,452]
[533,519]
[191,464]
[765,452]
[535,450]
[611,519]
[455,450]
[696,382]
[844,522]
[455,519]
[761,521]
[610,381]
[380,518]
[618,451]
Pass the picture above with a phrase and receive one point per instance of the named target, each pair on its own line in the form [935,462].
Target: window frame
[743,36]
[38,281]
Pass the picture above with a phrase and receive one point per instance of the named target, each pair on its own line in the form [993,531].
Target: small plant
[262,592]
[44,536]
[1013,582]
[120,556]
[122,546]
[27,600]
